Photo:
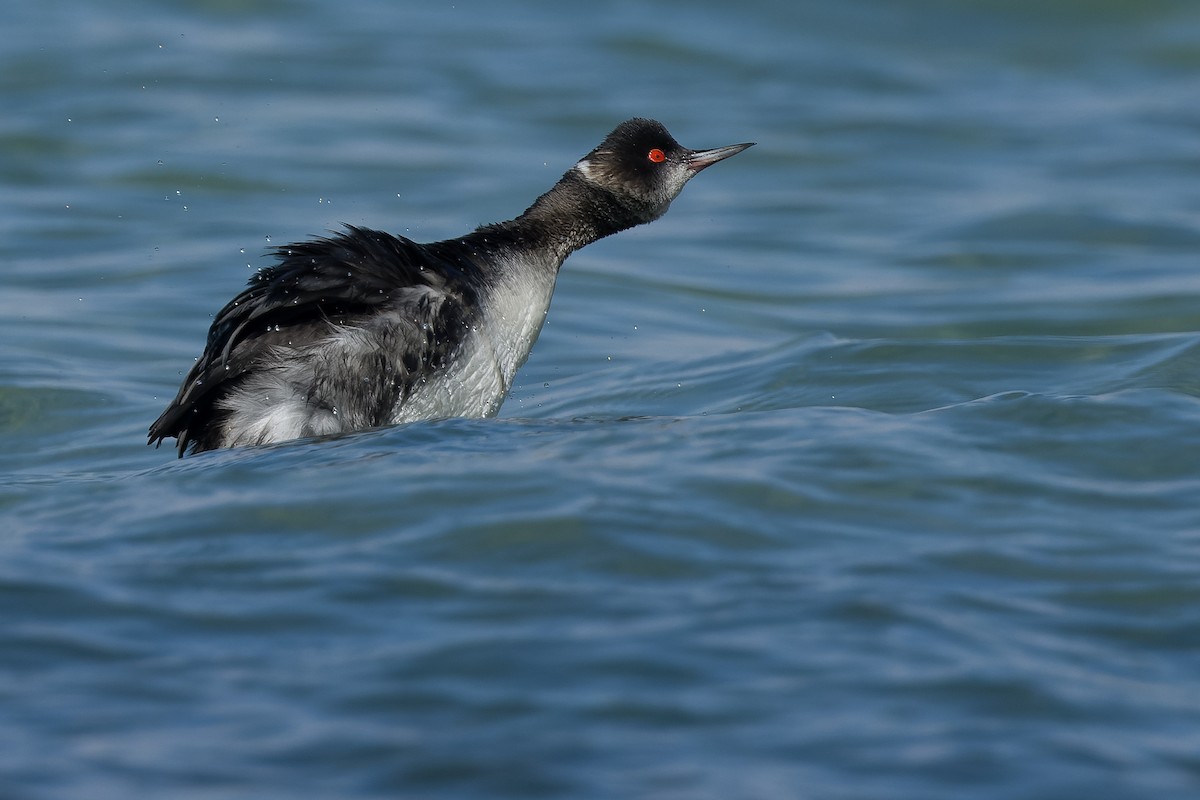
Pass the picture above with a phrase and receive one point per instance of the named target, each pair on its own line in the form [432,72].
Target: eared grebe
[364,328]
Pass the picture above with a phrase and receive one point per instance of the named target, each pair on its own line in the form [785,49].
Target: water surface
[868,471]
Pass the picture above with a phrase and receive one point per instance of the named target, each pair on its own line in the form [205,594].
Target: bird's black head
[645,168]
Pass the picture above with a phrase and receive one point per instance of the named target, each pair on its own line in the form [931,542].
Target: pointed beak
[699,159]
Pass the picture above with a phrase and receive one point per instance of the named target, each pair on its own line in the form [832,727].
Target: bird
[362,329]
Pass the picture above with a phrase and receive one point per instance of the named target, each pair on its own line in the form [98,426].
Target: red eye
[657,156]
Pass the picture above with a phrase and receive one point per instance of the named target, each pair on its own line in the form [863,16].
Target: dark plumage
[363,328]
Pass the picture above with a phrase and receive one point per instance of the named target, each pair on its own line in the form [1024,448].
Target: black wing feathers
[314,283]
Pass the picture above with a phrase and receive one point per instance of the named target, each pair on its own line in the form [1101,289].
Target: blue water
[869,471]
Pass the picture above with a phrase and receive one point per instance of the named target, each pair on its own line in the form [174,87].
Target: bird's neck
[572,214]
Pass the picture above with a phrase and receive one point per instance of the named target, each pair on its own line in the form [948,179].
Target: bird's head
[642,165]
